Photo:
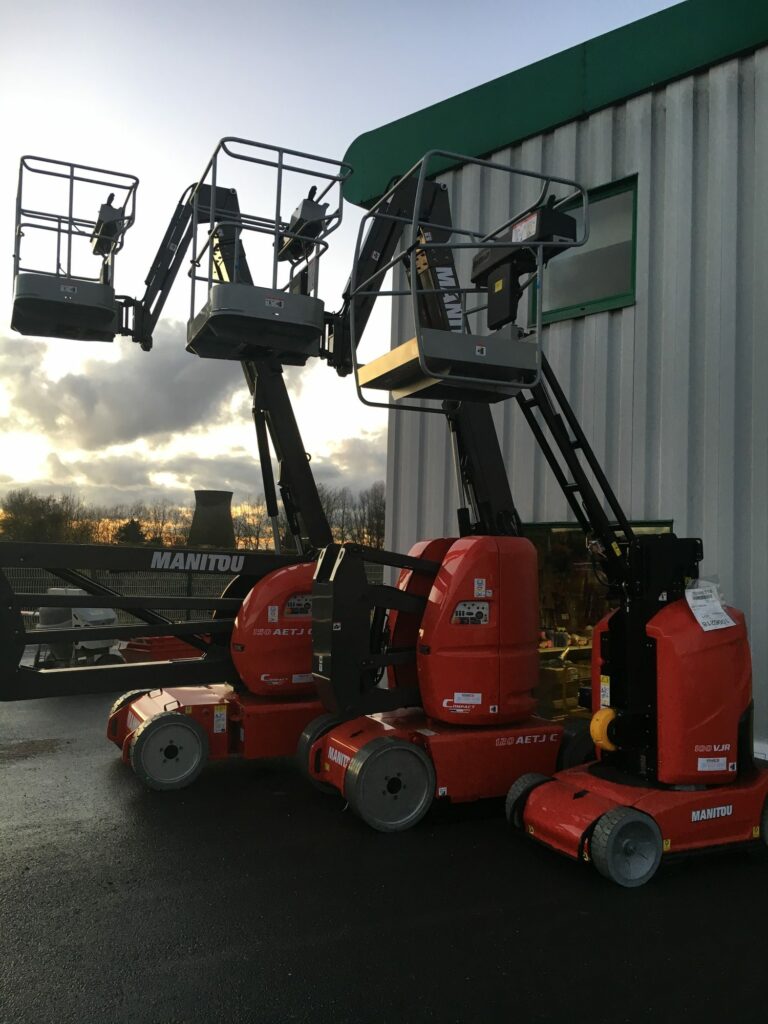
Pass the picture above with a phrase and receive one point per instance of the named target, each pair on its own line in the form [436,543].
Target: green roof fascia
[569,85]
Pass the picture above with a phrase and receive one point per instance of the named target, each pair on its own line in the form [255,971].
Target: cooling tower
[212,522]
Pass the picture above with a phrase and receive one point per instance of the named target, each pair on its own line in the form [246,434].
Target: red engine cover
[703,686]
[272,638]
[478,657]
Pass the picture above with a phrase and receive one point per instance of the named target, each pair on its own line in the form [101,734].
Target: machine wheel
[626,846]
[169,751]
[312,733]
[518,793]
[390,784]
[127,698]
[577,746]
[110,659]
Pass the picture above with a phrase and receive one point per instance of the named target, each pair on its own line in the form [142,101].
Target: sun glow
[23,456]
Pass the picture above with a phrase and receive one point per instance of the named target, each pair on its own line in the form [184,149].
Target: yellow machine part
[598,728]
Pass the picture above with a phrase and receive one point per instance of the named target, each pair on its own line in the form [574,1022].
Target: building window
[601,274]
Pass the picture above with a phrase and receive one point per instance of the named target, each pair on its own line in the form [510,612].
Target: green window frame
[604,302]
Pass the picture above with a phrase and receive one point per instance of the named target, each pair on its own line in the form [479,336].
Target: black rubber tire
[169,726]
[110,659]
[368,786]
[518,793]
[577,746]
[312,732]
[626,847]
[127,698]
[764,824]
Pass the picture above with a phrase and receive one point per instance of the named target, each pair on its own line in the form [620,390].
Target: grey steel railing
[417,240]
[71,224]
[325,175]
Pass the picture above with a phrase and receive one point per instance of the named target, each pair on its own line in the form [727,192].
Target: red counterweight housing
[272,637]
[478,643]
[704,687]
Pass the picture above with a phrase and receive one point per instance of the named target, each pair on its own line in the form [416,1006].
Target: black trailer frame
[209,635]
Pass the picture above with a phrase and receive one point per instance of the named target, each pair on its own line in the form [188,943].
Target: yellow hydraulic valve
[598,728]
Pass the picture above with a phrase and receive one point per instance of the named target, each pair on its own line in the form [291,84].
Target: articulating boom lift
[455,720]
[251,692]
[671,689]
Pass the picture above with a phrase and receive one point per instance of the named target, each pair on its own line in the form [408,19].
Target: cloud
[146,400]
[144,395]
[355,462]
[124,479]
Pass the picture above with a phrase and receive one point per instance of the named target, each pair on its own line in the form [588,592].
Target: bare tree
[157,516]
[345,514]
[369,515]
[178,526]
[252,526]
[27,515]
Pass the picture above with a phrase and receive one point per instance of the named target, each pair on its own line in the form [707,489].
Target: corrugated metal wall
[673,391]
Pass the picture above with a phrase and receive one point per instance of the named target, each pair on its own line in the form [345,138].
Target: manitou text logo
[709,813]
[337,757]
[199,561]
[451,300]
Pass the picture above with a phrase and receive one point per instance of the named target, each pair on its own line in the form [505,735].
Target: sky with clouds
[149,88]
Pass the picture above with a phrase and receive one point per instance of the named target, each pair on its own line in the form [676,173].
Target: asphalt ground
[252,898]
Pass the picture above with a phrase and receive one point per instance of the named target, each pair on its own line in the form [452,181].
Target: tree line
[27,515]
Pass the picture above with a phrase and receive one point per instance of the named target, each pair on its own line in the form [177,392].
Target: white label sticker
[713,764]
[525,228]
[133,722]
[467,698]
[274,303]
[273,611]
[704,601]
[301,677]
[605,691]
[220,718]
[480,587]
[427,732]
[68,289]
